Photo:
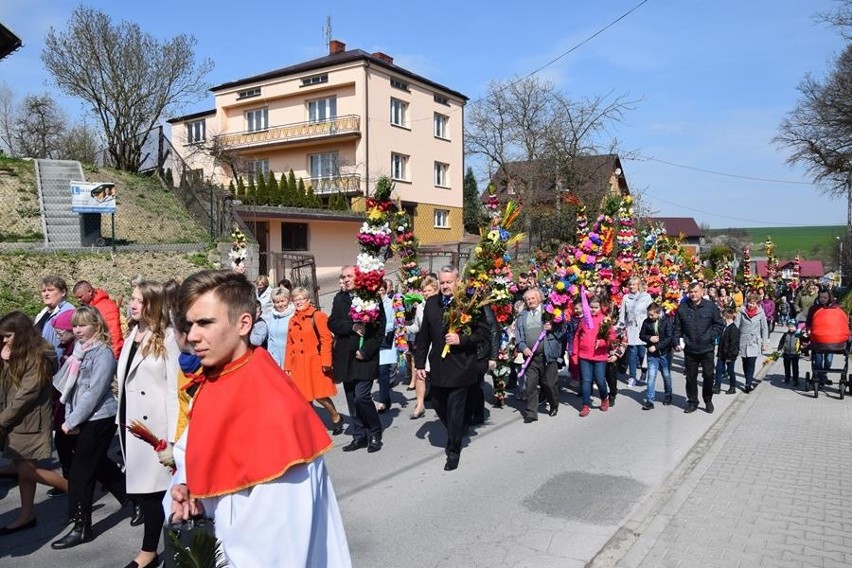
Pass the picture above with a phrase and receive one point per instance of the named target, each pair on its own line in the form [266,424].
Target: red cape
[248,425]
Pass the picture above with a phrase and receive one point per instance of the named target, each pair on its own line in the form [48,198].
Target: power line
[730,217]
[738,176]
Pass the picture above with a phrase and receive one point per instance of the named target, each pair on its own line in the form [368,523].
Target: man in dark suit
[453,375]
[355,363]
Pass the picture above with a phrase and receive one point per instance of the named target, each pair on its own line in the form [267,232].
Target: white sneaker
[631,382]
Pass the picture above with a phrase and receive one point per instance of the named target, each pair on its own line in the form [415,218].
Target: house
[339,122]
[807,269]
[9,42]
[685,227]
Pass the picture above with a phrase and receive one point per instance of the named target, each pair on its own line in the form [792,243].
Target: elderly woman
[278,323]
[634,309]
[53,293]
[754,333]
[26,367]
[309,356]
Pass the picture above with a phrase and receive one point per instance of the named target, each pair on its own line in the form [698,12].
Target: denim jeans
[593,370]
[725,368]
[635,354]
[821,362]
[386,375]
[748,369]
[660,362]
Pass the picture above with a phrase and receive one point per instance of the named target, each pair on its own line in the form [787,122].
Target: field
[812,243]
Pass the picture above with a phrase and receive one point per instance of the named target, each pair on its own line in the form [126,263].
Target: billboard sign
[92,197]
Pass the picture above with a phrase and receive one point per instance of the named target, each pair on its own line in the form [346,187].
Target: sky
[712,80]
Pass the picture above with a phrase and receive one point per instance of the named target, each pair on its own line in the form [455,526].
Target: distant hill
[812,243]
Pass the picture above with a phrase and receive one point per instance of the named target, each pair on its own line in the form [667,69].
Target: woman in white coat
[754,334]
[148,392]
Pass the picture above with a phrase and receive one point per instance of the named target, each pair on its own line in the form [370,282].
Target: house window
[323,165]
[441,99]
[248,93]
[397,84]
[294,236]
[320,110]
[315,80]
[399,167]
[196,131]
[442,219]
[441,126]
[399,113]
[257,119]
[260,167]
[441,178]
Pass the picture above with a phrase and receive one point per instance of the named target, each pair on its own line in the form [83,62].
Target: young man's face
[214,338]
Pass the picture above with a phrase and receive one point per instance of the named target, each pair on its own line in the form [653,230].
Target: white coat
[149,390]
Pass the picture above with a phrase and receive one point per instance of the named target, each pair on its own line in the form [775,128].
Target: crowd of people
[168,374]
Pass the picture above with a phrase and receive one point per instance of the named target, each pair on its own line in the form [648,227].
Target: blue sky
[714,79]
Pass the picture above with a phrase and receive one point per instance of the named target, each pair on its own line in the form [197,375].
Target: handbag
[194,537]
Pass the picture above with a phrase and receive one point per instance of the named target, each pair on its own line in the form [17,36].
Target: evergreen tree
[290,194]
[241,189]
[262,193]
[337,202]
[231,189]
[472,214]
[302,195]
[272,188]
[251,192]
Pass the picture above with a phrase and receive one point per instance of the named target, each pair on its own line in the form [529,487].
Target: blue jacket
[92,397]
[554,348]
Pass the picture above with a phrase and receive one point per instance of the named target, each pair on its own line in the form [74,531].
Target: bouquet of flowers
[374,238]
[405,246]
[237,254]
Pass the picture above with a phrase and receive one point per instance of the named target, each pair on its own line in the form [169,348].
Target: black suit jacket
[458,368]
[345,367]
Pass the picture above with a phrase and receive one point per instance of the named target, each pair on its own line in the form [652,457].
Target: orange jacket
[109,310]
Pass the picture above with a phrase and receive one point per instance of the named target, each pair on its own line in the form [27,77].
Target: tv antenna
[326,31]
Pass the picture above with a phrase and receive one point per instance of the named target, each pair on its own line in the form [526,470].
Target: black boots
[81,532]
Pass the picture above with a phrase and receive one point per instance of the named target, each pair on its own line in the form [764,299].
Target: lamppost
[839,262]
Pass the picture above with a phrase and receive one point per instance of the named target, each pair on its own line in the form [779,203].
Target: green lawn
[812,243]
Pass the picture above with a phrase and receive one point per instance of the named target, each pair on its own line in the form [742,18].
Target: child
[790,348]
[571,331]
[617,349]
[729,350]
[657,332]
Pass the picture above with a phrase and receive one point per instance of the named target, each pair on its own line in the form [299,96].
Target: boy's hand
[655,339]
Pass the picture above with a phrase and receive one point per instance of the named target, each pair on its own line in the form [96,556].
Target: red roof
[809,268]
[675,226]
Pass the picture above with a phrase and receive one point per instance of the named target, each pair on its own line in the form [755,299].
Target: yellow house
[339,122]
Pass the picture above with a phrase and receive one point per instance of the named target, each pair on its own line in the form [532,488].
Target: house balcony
[347,184]
[347,126]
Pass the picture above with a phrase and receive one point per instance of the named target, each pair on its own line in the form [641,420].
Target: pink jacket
[586,344]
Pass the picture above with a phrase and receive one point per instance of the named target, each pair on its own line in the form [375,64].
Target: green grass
[812,243]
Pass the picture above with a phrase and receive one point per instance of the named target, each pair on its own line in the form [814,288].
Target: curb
[630,544]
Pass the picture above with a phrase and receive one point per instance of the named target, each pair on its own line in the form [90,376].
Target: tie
[445,300]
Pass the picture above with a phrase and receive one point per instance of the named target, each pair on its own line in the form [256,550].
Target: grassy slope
[20,218]
[812,243]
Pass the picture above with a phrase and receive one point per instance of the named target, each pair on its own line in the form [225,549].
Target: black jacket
[666,334]
[490,350]
[698,326]
[345,367]
[729,343]
[458,368]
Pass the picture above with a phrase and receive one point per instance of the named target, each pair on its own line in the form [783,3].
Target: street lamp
[839,262]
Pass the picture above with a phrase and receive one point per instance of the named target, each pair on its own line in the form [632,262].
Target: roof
[298,213]
[192,116]
[808,268]
[591,172]
[331,60]
[9,42]
[685,226]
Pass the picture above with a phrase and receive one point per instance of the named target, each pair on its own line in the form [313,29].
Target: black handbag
[194,537]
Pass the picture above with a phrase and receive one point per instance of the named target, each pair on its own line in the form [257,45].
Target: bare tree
[130,79]
[840,16]
[39,126]
[80,142]
[7,118]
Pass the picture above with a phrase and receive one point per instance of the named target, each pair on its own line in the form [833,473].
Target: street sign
[92,197]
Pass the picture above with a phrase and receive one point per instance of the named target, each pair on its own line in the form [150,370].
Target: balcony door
[322,110]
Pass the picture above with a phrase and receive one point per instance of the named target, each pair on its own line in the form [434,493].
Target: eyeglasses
[299,300]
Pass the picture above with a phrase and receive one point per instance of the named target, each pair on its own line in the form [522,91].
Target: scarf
[66,378]
[751,312]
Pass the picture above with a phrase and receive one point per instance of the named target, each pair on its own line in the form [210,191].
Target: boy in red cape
[251,457]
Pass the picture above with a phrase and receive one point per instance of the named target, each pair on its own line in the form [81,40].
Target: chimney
[335,47]
[383,57]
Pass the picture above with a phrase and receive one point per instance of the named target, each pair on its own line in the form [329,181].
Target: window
[441,99]
[248,93]
[321,110]
[315,80]
[257,119]
[323,165]
[196,131]
[399,167]
[397,84]
[441,178]
[294,236]
[441,126]
[399,113]
[260,167]
[442,219]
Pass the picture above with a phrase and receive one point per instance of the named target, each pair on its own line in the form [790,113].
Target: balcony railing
[344,183]
[347,124]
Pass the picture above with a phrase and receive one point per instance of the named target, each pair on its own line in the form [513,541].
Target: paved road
[558,492]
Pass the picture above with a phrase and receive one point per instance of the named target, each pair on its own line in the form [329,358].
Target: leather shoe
[152,564]
[451,464]
[648,405]
[709,407]
[528,420]
[554,411]
[337,427]
[355,444]
[81,532]
[690,408]
[10,530]
[374,445]
[138,515]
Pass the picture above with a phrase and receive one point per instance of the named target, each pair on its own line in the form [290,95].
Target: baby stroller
[828,336]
